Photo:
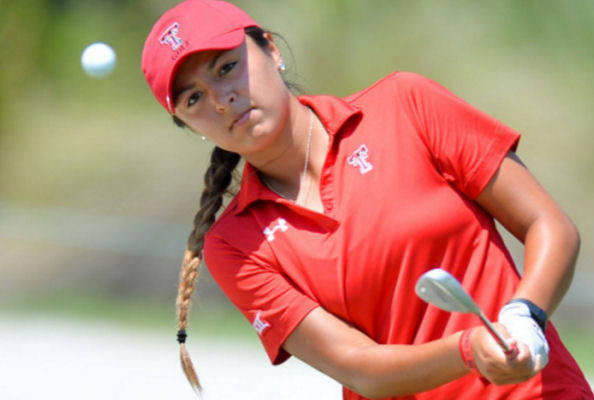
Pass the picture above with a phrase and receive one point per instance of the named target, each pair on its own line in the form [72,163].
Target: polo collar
[332,111]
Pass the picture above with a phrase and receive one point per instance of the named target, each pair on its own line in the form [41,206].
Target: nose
[224,98]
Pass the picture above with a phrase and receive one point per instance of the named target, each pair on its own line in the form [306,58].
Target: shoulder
[401,84]
[233,241]
[231,224]
[238,233]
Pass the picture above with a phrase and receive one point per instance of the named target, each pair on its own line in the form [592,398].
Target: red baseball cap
[189,27]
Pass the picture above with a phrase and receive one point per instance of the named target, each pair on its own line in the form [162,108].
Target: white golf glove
[520,325]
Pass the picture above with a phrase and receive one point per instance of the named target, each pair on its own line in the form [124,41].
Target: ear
[273,50]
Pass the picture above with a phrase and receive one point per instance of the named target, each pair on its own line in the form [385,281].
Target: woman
[344,203]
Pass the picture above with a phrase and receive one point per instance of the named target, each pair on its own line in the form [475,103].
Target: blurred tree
[41,42]
[22,25]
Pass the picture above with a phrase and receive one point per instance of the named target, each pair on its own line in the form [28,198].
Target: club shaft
[496,335]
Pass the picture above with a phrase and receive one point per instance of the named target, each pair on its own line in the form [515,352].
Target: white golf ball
[98,59]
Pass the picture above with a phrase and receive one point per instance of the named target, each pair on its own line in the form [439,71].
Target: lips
[241,118]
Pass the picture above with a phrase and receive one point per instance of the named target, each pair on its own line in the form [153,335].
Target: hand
[494,365]
[519,323]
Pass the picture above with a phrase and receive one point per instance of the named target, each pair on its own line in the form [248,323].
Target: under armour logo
[282,225]
[259,324]
[359,159]
[169,37]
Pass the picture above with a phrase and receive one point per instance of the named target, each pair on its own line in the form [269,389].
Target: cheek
[273,98]
[265,80]
[283,106]
[199,121]
[275,121]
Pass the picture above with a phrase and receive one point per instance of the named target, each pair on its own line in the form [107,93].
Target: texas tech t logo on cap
[169,37]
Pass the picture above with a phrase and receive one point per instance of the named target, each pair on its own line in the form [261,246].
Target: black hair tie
[181,336]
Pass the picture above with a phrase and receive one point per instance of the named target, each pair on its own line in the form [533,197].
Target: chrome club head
[441,289]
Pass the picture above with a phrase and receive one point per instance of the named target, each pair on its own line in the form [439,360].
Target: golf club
[443,290]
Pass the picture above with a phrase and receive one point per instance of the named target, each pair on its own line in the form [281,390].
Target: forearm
[395,370]
[373,370]
[377,370]
[551,248]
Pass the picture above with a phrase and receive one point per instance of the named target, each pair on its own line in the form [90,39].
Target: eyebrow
[179,92]
[215,59]
[189,86]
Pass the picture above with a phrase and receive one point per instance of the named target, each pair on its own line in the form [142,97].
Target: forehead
[194,62]
[204,60]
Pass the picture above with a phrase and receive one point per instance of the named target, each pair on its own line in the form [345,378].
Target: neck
[295,175]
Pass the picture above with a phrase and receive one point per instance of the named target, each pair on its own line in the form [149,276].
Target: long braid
[217,179]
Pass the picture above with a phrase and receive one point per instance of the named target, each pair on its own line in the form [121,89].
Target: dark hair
[217,179]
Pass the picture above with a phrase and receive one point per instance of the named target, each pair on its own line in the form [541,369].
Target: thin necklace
[305,165]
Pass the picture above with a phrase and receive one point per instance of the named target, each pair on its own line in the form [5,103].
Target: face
[236,98]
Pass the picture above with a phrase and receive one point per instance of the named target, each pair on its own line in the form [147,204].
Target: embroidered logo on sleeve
[259,324]
[279,224]
[359,159]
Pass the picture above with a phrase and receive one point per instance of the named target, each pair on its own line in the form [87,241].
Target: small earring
[203,138]
[282,66]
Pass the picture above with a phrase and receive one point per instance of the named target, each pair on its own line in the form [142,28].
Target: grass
[578,339]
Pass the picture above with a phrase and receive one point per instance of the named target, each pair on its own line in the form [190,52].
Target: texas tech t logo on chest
[280,224]
[359,158]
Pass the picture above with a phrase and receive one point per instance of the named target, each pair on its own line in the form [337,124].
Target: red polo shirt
[405,160]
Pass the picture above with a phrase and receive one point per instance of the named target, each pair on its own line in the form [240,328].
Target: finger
[500,369]
[522,365]
[524,357]
[515,374]
[513,351]
[497,349]
[512,379]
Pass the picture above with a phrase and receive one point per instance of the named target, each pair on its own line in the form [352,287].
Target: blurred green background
[98,188]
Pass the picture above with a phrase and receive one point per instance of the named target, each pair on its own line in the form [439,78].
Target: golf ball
[98,59]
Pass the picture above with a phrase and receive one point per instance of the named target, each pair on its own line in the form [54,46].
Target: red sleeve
[466,144]
[271,303]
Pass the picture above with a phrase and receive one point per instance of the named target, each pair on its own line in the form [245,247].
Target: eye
[193,98]
[226,68]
